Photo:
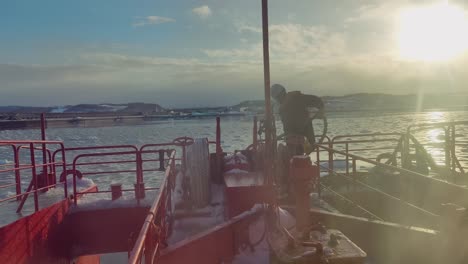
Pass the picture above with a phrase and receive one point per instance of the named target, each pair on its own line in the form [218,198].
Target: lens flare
[432,33]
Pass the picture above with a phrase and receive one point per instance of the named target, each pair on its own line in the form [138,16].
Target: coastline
[82,120]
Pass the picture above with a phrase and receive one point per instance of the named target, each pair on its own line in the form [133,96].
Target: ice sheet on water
[5,161]
[7,194]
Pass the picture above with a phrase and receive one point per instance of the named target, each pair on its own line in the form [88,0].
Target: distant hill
[24,109]
[142,107]
[87,108]
[351,102]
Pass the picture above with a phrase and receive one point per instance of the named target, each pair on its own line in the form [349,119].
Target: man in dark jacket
[294,113]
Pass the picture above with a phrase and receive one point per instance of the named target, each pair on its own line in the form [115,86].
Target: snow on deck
[98,201]
[186,227]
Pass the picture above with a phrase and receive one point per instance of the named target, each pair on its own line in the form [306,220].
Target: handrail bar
[8,185]
[137,250]
[390,167]
[29,192]
[382,193]
[362,141]
[95,147]
[15,142]
[436,125]
[136,152]
[156,145]
[16,146]
[367,135]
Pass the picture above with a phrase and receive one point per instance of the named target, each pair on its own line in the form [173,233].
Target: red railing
[137,161]
[39,181]
[52,160]
[157,225]
[449,144]
[357,143]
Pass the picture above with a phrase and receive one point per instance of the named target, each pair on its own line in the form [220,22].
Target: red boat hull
[27,240]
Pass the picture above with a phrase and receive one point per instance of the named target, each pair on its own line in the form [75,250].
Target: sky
[208,53]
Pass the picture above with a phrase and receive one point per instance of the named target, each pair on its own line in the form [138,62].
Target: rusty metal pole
[219,150]
[64,168]
[161,153]
[218,135]
[255,135]
[17,172]
[268,112]
[34,177]
[347,159]
[44,150]
[75,201]
[330,157]
[447,147]
[453,149]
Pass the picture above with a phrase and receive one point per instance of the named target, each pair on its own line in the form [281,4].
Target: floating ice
[4,162]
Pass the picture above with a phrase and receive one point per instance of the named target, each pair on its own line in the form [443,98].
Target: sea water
[236,134]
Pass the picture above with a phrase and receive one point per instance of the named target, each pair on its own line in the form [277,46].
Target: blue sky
[191,52]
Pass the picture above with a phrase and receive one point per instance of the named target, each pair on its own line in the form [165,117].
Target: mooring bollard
[116,191]
[140,190]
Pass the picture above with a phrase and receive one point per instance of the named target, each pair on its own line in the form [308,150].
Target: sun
[433,33]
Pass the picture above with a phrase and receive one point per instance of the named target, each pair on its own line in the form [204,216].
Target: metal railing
[355,144]
[353,179]
[39,181]
[408,150]
[407,195]
[157,225]
[449,145]
[132,157]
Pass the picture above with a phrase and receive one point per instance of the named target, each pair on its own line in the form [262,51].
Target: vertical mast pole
[268,112]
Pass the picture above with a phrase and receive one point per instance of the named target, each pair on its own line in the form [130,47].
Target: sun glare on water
[433,33]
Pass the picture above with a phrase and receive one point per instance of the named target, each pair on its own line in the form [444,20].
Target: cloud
[378,11]
[383,11]
[202,11]
[111,77]
[152,20]
[251,29]
[115,77]
[293,43]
